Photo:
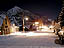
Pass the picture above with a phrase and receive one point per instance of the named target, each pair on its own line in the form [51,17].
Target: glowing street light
[23,22]
[36,23]
[26,18]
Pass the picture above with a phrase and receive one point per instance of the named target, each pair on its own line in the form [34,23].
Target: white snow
[21,41]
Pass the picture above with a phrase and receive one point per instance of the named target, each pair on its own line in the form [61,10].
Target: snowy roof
[15,10]
[1,21]
[2,17]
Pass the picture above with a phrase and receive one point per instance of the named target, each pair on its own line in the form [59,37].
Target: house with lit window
[4,24]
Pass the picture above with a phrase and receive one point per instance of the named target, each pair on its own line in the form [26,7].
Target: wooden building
[5,27]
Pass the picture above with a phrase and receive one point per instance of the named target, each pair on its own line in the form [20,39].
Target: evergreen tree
[61,16]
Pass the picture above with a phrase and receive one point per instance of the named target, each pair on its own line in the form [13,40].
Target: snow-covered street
[22,41]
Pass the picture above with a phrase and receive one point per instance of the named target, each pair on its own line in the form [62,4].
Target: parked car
[61,37]
[56,31]
[21,28]
[57,28]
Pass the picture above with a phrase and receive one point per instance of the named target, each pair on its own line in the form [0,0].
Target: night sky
[49,8]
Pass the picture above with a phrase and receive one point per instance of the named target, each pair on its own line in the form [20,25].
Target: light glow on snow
[29,34]
[36,34]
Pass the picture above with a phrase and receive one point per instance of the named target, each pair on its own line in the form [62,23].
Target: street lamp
[37,24]
[26,18]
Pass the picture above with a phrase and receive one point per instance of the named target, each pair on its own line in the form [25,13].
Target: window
[6,26]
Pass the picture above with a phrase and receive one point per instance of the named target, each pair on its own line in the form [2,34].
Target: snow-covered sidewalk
[33,33]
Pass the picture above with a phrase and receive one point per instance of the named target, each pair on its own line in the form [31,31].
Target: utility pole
[23,21]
